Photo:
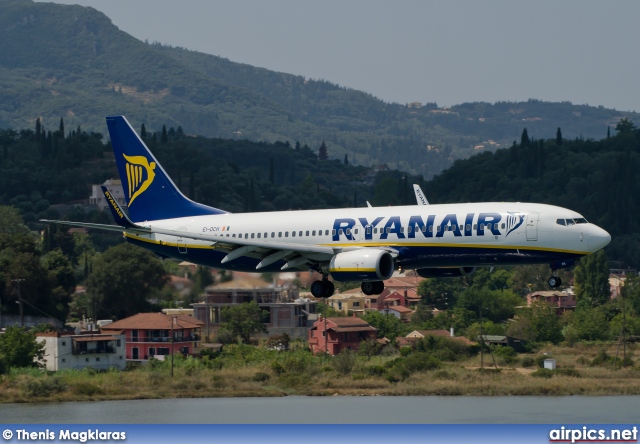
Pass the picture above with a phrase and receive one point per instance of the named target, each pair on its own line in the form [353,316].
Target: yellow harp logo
[140,174]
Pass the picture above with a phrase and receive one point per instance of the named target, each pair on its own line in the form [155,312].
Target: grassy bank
[250,371]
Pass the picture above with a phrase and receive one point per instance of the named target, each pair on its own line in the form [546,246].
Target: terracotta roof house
[157,334]
[562,301]
[337,334]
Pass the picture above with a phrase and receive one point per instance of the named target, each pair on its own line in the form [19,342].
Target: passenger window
[388,230]
[409,229]
[424,228]
[503,225]
[469,227]
[308,233]
[259,235]
[340,231]
[293,234]
[286,234]
[368,230]
[348,231]
[234,235]
[252,234]
[560,222]
[313,233]
[333,232]
[265,235]
[355,231]
[430,228]
[273,234]
[246,235]
[326,232]
[375,230]
[475,226]
[300,233]
[279,233]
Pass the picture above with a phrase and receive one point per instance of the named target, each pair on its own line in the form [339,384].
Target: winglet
[420,197]
[119,215]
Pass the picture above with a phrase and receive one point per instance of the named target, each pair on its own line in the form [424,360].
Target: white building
[115,188]
[98,351]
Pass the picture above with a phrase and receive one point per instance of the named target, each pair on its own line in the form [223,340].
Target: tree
[323,154]
[539,322]
[123,278]
[164,138]
[143,132]
[625,125]
[559,137]
[524,138]
[388,326]
[592,280]
[243,320]
[19,348]
[439,293]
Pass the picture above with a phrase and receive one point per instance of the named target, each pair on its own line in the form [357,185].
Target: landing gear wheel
[554,282]
[322,289]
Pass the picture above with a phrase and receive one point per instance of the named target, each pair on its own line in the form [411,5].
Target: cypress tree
[323,153]
[558,137]
[143,132]
[61,128]
[346,159]
[164,138]
[38,130]
[524,139]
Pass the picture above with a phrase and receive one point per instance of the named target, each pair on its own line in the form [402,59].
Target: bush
[421,362]
[568,372]
[261,377]
[43,387]
[405,351]
[88,389]
[602,358]
[375,370]
[527,362]
[505,355]
[543,373]
[344,362]
[226,337]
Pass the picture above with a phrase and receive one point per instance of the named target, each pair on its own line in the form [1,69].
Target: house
[561,300]
[342,334]
[286,311]
[400,312]
[63,351]
[153,334]
[348,303]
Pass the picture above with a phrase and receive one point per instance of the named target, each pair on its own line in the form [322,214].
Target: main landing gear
[375,287]
[554,281]
[323,288]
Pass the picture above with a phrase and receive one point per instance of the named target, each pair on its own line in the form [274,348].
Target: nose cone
[598,238]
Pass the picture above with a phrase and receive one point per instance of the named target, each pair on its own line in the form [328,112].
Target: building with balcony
[334,335]
[63,351]
[149,335]
[560,300]
[115,188]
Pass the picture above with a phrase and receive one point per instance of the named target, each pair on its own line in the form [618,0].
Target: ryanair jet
[350,244]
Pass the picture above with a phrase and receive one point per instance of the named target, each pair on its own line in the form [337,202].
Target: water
[334,410]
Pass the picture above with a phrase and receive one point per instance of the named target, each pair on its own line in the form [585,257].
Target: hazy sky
[449,52]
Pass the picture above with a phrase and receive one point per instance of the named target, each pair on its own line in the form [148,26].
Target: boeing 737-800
[348,244]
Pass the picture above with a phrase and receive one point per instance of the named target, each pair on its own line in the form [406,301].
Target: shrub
[226,337]
[277,368]
[88,389]
[528,361]
[375,370]
[602,358]
[421,362]
[505,355]
[405,351]
[444,374]
[543,373]
[568,372]
[369,348]
[261,377]
[344,362]
[43,387]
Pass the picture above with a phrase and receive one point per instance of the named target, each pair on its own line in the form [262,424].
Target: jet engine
[445,272]
[367,264]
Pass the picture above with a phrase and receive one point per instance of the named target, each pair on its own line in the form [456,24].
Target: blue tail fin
[150,193]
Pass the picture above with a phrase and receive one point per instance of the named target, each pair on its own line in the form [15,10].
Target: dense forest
[71,61]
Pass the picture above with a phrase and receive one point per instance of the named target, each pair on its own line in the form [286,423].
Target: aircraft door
[532,226]
[182,244]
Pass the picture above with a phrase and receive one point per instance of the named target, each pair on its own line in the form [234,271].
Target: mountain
[72,62]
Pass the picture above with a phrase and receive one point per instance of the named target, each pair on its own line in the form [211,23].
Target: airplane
[347,244]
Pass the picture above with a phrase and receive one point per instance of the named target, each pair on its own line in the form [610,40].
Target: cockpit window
[569,222]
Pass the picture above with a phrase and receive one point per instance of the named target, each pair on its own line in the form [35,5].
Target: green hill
[72,62]
[599,179]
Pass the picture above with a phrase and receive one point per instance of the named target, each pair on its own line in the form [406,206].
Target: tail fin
[150,193]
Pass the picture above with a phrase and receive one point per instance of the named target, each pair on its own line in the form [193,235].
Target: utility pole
[20,301]
[173,320]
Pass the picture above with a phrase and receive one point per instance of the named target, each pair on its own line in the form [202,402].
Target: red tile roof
[154,321]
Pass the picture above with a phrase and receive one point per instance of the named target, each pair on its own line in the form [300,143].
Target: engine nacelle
[367,264]
[445,272]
